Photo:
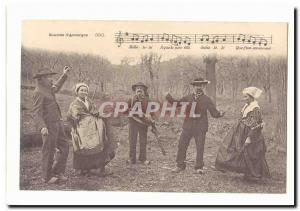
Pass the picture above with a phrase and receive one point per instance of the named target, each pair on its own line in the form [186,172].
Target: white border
[250,11]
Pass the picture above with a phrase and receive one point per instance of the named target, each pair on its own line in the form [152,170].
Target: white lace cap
[253,91]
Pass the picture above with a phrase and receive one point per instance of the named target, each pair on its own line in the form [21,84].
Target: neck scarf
[249,107]
[85,102]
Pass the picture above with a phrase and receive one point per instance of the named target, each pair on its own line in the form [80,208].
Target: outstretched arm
[171,100]
[213,110]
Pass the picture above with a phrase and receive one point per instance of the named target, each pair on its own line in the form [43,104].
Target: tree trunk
[221,87]
[210,63]
[269,81]
[281,126]
[234,89]
[102,86]
[157,86]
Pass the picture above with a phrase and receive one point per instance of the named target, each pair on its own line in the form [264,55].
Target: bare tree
[150,63]
[210,64]
[281,86]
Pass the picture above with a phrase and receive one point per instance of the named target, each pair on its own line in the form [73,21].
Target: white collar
[249,107]
[85,102]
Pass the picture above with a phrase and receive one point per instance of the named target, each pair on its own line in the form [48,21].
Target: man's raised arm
[59,83]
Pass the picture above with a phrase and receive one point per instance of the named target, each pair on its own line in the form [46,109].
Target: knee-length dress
[234,155]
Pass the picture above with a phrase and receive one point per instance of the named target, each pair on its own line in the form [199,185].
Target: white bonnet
[253,91]
[77,86]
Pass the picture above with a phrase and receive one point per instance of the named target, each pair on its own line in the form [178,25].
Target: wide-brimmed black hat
[43,72]
[139,84]
[199,81]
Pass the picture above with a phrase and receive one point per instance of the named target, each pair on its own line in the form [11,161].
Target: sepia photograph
[133,110]
[117,106]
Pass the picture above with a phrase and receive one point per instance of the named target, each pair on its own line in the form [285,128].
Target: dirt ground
[158,177]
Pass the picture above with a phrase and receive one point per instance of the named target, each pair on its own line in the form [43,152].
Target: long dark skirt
[97,157]
[234,156]
[92,158]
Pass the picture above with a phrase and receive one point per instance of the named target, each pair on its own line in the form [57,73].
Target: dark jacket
[45,107]
[204,104]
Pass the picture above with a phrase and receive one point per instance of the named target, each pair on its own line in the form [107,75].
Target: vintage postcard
[131,106]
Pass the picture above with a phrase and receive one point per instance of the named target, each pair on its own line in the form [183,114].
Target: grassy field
[158,177]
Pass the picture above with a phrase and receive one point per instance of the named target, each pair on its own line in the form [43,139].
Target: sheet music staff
[188,39]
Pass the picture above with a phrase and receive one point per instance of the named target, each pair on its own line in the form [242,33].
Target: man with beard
[48,117]
[195,124]
[138,104]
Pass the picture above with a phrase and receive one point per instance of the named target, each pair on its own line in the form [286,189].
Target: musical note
[144,38]
[187,40]
[215,39]
[252,40]
[241,37]
[165,37]
[151,37]
[204,37]
[135,37]
[263,41]
[224,38]
[119,39]
[176,40]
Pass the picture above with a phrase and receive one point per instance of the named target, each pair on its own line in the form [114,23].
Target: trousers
[184,141]
[55,151]
[135,130]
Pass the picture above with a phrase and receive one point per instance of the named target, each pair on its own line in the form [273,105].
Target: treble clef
[119,39]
